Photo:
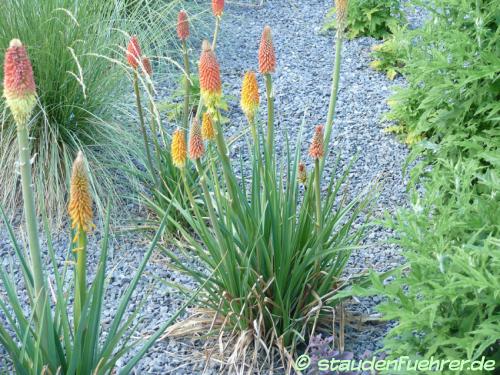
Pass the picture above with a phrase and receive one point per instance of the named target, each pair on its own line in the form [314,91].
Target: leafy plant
[50,337]
[276,252]
[445,300]
[389,56]
[373,18]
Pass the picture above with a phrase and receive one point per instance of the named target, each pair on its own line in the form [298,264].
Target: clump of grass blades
[81,104]
[275,252]
[46,338]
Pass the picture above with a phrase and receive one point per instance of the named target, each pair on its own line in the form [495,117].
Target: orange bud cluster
[80,203]
[196,147]
[316,150]
[182,25]
[134,52]
[341,13]
[19,84]
[250,95]
[210,81]
[178,148]
[267,57]
[146,66]
[302,174]
[218,7]
[207,127]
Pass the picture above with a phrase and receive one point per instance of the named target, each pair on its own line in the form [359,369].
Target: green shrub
[389,55]
[373,18]
[452,72]
[76,49]
[445,300]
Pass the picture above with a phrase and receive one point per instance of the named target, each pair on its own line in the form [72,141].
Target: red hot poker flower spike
[134,52]
[182,25]
[267,57]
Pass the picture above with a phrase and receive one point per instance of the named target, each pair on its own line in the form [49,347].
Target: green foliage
[373,18]
[446,303]
[445,300]
[452,68]
[389,55]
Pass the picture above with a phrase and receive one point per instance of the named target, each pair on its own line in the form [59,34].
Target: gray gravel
[302,84]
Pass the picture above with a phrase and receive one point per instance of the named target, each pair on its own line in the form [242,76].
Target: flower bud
[134,52]
[182,25]
[250,95]
[267,57]
[196,146]
[316,150]
[19,84]
[80,203]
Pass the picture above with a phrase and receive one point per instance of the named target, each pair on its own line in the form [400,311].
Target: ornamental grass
[40,331]
[274,251]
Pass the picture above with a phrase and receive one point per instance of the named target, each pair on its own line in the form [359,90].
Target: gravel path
[302,85]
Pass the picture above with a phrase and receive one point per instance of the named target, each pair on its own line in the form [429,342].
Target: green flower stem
[187,86]
[216,32]
[143,126]
[208,199]
[317,187]
[154,122]
[41,298]
[270,115]
[81,276]
[333,95]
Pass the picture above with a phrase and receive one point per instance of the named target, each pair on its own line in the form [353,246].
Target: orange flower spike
[218,7]
[182,25]
[19,84]
[250,95]
[196,146]
[267,57]
[80,203]
[316,150]
[147,67]
[178,148]
[134,52]
[302,173]
[210,81]
[207,127]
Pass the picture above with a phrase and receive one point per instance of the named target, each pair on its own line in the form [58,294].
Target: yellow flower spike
[178,148]
[19,84]
[207,127]
[250,95]
[80,204]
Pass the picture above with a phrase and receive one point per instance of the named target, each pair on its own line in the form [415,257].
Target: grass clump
[83,101]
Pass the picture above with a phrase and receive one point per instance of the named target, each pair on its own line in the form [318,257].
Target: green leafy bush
[373,18]
[389,55]
[452,72]
[445,300]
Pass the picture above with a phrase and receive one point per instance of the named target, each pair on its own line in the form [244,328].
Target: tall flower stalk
[183,34]
[341,11]
[267,66]
[80,212]
[316,151]
[134,59]
[20,97]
